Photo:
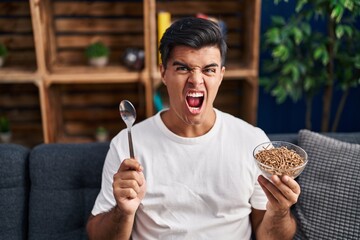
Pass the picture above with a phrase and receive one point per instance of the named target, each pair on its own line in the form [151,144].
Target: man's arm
[277,221]
[110,225]
[129,187]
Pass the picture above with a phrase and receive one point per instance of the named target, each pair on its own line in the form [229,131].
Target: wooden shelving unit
[65,29]
[47,39]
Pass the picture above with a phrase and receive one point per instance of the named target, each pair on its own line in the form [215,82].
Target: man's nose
[196,77]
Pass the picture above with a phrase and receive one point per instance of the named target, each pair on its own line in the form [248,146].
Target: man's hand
[282,193]
[129,186]
[277,221]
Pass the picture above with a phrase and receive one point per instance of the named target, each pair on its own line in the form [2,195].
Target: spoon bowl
[128,115]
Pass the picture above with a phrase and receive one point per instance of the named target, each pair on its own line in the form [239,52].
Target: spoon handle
[131,148]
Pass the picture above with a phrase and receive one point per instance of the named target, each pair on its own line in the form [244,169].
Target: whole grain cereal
[281,160]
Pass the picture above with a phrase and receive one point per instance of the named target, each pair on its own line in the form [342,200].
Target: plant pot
[98,61]
[2,61]
[102,137]
[5,137]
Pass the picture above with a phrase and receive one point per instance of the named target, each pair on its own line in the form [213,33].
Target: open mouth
[195,101]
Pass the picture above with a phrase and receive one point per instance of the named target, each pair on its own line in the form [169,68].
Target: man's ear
[162,72]
[222,73]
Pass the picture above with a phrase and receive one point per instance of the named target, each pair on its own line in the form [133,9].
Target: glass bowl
[280,162]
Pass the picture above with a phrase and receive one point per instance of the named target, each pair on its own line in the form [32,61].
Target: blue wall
[290,116]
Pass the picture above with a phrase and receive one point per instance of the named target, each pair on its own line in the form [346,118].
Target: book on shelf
[163,22]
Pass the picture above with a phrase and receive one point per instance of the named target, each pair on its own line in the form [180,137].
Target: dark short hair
[192,32]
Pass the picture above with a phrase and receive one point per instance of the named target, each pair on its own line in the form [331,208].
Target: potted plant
[97,54]
[315,51]
[5,132]
[102,134]
[3,53]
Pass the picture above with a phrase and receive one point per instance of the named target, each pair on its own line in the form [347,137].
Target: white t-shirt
[197,188]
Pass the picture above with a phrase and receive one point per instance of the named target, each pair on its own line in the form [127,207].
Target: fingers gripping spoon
[128,115]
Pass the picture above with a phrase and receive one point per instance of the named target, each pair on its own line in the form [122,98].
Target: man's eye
[182,69]
[209,70]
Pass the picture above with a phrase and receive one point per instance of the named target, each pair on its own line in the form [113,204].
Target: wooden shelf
[87,74]
[18,75]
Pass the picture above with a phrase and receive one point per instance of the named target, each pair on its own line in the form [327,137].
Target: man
[193,175]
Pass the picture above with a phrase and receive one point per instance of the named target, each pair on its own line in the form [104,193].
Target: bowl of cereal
[280,158]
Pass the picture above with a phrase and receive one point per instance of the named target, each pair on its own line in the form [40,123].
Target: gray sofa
[48,192]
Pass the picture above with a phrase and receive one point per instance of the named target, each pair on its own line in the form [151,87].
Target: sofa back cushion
[65,180]
[329,206]
[14,191]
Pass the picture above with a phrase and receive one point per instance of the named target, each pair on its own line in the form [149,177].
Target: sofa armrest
[65,180]
[14,190]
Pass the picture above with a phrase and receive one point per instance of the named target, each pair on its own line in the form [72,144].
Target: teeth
[195,94]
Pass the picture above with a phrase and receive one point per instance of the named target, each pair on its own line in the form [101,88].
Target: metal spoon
[128,115]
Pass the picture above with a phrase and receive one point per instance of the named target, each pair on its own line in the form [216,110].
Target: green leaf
[263,81]
[300,4]
[318,52]
[306,28]
[3,50]
[348,30]
[342,29]
[337,13]
[295,93]
[322,54]
[278,20]
[278,1]
[357,61]
[281,52]
[308,83]
[349,4]
[339,31]
[97,49]
[325,58]
[280,94]
[295,74]
[298,35]
[273,36]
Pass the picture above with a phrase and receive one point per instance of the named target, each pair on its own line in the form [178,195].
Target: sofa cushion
[328,206]
[14,190]
[65,180]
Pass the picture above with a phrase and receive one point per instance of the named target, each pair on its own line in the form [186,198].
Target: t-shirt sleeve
[105,200]
[258,199]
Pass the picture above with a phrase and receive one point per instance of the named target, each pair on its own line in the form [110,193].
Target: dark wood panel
[25,58]
[77,56]
[96,99]
[12,99]
[21,105]
[16,34]
[17,41]
[15,8]
[81,25]
[194,7]
[90,88]
[93,8]
[81,129]
[15,25]
[79,41]
[85,107]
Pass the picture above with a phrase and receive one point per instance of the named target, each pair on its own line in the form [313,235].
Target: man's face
[192,78]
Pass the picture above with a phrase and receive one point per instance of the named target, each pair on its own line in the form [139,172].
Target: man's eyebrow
[211,65]
[176,63]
